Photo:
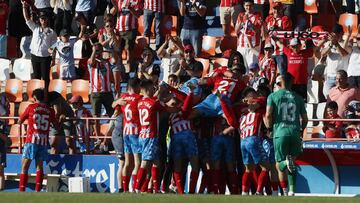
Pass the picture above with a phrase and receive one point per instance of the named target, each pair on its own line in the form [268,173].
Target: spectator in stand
[100,83]
[109,38]
[85,12]
[337,52]
[289,8]
[16,24]
[148,69]
[267,64]
[332,129]
[65,48]
[236,59]
[194,12]
[254,77]
[248,28]
[4,131]
[262,7]
[229,11]
[4,11]
[62,111]
[154,8]
[45,6]
[63,16]
[352,131]
[42,39]
[297,63]
[278,22]
[128,12]
[354,63]
[342,93]
[169,53]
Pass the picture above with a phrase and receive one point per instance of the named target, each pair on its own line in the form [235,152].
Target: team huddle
[203,131]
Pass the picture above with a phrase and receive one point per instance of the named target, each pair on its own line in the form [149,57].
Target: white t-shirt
[335,61]
[354,62]
[169,64]
[42,4]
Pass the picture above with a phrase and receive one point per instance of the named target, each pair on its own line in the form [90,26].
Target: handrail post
[87,138]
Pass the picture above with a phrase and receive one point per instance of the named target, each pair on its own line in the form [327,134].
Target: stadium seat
[320,109]
[14,135]
[22,69]
[59,86]
[208,46]
[25,47]
[347,19]
[228,43]
[4,69]
[78,49]
[167,23]
[32,85]
[12,113]
[206,65]
[14,89]
[22,107]
[317,132]
[104,128]
[220,62]
[82,88]
[312,91]
[311,6]
[140,43]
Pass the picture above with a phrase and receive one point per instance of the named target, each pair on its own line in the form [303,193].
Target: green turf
[134,198]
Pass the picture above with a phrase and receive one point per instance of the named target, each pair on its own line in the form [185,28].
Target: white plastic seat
[22,69]
[25,47]
[4,69]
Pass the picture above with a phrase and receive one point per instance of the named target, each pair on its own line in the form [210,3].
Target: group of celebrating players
[203,131]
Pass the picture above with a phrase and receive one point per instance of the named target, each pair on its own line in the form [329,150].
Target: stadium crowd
[239,122]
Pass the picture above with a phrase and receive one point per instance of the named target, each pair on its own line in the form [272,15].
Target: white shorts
[250,55]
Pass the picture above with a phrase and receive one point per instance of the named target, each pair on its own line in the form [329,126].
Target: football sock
[282,165]
[268,189]
[261,181]
[193,181]
[222,183]
[23,182]
[215,180]
[204,183]
[275,185]
[254,180]
[144,186]
[133,177]
[141,175]
[177,177]
[125,183]
[246,182]
[38,180]
[292,181]
[234,189]
[283,184]
[155,174]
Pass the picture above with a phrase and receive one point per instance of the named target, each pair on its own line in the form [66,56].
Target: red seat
[220,62]
[32,85]
[82,88]
[208,46]
[311,6]
[15,134]
[347,19]
[58,86]
[14,90]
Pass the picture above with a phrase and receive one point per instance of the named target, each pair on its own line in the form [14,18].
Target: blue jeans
[281,61]
[193,37]
[148,19]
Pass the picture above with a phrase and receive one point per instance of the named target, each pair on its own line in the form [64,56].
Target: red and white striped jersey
[100,76]
[226,86]
[39,118]
[261,1]
[126,20]
[230,3]
[353,132]
[278,24]
[178,123]
[155,5]
[248,35]
[251,123]
[149,109]
[267,66]
[80,125]
[131,113]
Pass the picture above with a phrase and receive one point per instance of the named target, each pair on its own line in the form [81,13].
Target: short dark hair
[146,84]
[174,77]
[247,91]
[134,82]
[39,94]
[288,78]
[332,105]
[342,73]
[248,1]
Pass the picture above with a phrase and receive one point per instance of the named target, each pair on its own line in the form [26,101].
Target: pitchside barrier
[327,166]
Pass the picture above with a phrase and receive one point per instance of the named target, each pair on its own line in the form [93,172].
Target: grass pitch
[161,198]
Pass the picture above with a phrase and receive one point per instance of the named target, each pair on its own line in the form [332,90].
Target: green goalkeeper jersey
[287,110]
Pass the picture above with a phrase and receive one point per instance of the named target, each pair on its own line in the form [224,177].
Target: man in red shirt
[229,11]
[39,116]
[297,65]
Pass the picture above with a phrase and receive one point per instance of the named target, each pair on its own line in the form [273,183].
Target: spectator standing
[278,22]
[289,8]
[128,12]
[194,12]
[100,83]
[4,11]
[248,28]
[4,131]
[85,12]
[154,9]
[267,64]
[42,39]
[342,93]
[65,48]
[169,53]
[337,56]
[148,68]
[63,16]
[229,11]
[45,6]
[354,63]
